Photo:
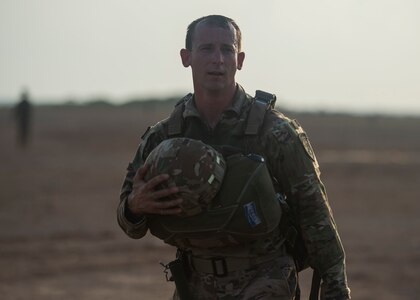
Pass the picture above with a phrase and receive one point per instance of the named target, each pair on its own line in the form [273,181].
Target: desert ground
[59,238]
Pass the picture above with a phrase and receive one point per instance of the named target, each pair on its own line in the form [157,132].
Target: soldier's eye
[206,48]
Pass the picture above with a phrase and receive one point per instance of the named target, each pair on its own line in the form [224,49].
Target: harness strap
[315,285]
[175,119]
[263,101]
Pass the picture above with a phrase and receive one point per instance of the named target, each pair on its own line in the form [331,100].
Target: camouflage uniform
[290,159]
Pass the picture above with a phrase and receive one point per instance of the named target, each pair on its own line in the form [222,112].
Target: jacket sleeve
[293,163]
[134,226]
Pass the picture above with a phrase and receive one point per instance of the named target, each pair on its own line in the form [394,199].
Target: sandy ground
[58,233]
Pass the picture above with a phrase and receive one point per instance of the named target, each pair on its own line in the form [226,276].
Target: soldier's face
[214,57]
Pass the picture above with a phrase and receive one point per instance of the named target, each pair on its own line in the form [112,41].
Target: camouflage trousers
[276,279]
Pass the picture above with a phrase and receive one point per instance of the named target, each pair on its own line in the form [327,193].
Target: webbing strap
[175,119]
[315,286]
[262,102]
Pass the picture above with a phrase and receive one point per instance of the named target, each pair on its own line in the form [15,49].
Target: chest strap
[263,101]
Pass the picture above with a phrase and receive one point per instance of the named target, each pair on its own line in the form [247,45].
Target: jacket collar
[235,107]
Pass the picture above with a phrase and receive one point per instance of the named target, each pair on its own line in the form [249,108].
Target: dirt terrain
[59,238]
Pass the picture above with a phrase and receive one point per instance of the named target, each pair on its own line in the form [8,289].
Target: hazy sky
[358,55]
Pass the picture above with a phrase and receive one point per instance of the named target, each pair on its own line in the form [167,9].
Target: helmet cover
[196,168]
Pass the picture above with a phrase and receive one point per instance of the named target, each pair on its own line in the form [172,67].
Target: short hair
[216,20]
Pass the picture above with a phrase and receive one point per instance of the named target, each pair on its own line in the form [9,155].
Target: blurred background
[97,73]
[358,56]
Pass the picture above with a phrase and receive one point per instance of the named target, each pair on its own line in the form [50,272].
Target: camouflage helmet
[196,168]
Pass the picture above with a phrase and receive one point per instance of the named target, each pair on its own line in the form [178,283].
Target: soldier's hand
[145,198]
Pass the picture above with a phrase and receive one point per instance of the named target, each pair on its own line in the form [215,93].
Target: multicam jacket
[291,161]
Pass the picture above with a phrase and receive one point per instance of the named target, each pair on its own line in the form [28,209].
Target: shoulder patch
[307,145]
[303,137]
[295,124]
[281,133]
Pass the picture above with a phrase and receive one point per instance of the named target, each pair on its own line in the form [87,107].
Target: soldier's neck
[212,105]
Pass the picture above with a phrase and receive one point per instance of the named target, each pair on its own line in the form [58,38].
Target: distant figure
[23,111]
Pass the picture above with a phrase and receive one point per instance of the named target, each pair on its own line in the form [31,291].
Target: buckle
[219,266]
[266,98]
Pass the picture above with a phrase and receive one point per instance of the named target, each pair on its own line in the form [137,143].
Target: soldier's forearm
[334,285]
[133,226]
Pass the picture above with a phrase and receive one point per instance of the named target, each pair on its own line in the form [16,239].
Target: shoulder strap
[315,285]
[262,102]
[175,119]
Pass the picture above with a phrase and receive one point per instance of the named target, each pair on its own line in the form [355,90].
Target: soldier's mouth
[216,73]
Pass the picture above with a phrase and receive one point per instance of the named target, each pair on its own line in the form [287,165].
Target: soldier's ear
[241,58]
[185,57]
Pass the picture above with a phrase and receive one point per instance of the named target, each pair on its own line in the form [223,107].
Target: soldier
[242,262]
[23,111]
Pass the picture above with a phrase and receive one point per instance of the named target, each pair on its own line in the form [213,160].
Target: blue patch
[251,214]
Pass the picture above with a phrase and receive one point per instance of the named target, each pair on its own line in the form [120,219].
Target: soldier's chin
[215,85]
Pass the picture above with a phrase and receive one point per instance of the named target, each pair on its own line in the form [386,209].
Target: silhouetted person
[23,111]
